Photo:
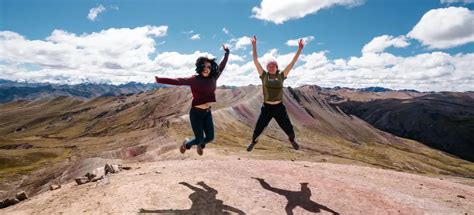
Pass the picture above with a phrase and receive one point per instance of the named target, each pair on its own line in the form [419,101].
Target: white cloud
[234,58]
[294,42]
[374,60]
[284,10]
[161,43]
[93,12]
[240,43]
[380,43]
[435,71]
[122,55]
[430,71]
[174,64]
[115,54]
[188,32]
[195,37]
[225,30]
[456,1]
[445,28]
[314,60]
[155,31]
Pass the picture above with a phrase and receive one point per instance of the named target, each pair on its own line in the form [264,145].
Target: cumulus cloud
[174,64]
[195,37]
[122,55]
[380,43]
[93,12]
[233,58]
[437,71]
[240,43]
[113,53]
[224,29]
[445,28]
[281,11]
[428,72]
[295,41]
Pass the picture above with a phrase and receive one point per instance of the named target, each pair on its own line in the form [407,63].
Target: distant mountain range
[13,91]
[371,89]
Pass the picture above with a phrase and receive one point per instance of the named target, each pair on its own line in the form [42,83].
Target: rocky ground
[216,184]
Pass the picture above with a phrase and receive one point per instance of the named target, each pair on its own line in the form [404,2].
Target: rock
[21,196]
[54,186]
[103,181]
[115,168]
[98,173]
[461,196]
[8,202]
[81,180]
[127,168]
[20,129]
[324,160]
[108,169]
[89,176]
[14,201]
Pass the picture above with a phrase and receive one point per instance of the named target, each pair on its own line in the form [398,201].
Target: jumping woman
[203,87]
[272,84]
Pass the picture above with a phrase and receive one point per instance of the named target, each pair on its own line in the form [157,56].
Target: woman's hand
[254,41]
[226,49]
[300,44]
[286,71]
[254,55]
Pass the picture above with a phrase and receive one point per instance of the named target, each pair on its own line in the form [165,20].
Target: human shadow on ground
[204,202]
[300,198]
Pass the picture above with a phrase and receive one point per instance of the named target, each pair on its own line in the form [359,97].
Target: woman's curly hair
[200,65]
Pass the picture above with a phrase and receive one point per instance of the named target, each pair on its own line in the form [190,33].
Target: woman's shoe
[199,149]
[294,144]
[250,147]
[183,148]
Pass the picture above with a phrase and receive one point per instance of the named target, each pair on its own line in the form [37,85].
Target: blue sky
[398,44]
